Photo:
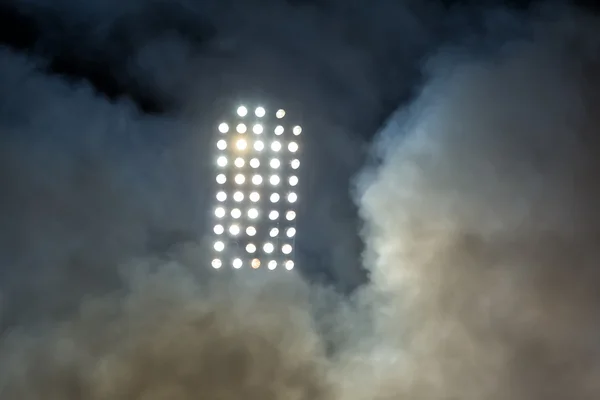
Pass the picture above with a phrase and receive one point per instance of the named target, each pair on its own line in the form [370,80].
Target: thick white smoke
[484,225]
[482,245]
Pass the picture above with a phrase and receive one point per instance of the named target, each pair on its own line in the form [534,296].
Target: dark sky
[105,105]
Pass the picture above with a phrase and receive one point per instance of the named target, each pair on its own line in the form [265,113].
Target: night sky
[436,134]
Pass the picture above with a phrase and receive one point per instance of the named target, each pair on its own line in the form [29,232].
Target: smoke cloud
[479,220]
[483,218]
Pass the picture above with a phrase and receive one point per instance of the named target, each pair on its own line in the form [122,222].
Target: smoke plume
[483,223]
[480,222]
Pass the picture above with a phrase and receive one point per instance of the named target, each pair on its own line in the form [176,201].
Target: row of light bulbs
[252,213]
[258,129]
[237,263]
[251,248]
[240,179]
[259,145]
[251,231]
[239,162]
[255,197]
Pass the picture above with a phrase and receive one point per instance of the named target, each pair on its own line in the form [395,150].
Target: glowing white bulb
[268,248]
[254,197]
[219,212]
[254,163]
[223,127]
[257,179]
[221,144]
[274,198]
[238,196]
[295,164]
[275,163]
[290,232]
[289,265]
[221,179]
[274,180]
[272,265]
[279,130]
[259,146]
[250,231]
[297,130]
[239,162]
[257,128]
[290,215]
[293,180]
[218,229]
[241,128]
[275,146]
[241,144]
[274,232]
[250,248]
[216,263]
[253,213]
[242,111]
[221,196]
[286,249]
[219,246]
[280,113]
[240,179]
[292,197]
[222,161]
[237,263]
[236,213]
[234,230]
[293,147]
[273,215]
[259,112]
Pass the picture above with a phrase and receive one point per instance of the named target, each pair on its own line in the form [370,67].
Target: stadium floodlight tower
[255,198]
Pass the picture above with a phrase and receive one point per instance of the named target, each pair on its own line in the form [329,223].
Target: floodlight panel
[255,202]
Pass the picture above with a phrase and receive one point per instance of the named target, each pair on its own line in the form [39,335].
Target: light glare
[286,249]
[253,213]
[273,215]
[241,128]
[216,263]
[290,215]
[254,163]
[258,129]
[242,111]
[259,145]
[219,246]
[221,144]
[295,164]
[254,197]
[238,196]
[218,229]
[268,247]
[237,263]
[239,162]
[236,213]
[292,197]
[257,179]
[223,127]
[260,112]
[275,163]
[280,113]
[250,248]
[221,179]
[274,232]
[221,196]
[219,212]
[241,144]
[293,147]
[240,179]
[276,146]
[290,232]
[250,231]
[274,198]
[279,130]
[234,230]
[293,180]
[222,161]
[297,130]
[289,265]
[272,265]
[274,180]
